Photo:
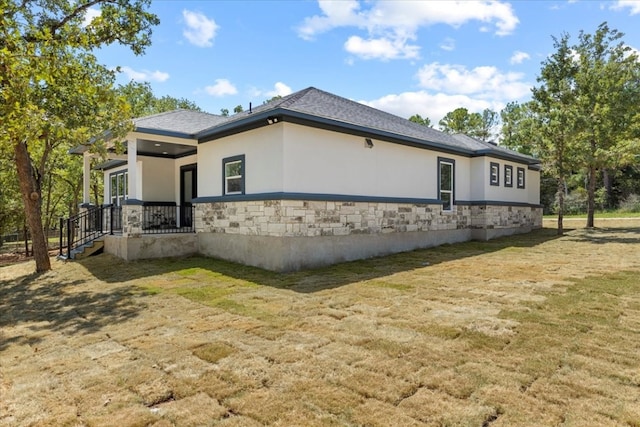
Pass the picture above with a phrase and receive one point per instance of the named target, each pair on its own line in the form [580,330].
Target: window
[494,171]
[520,177]
[233,175]
[508,176]
[119,187]
[446,183]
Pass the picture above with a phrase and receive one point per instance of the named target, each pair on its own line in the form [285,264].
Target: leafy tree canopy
[425,121]
[143,102]
[53,92]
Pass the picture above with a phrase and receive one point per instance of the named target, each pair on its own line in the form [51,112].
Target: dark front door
[188,192]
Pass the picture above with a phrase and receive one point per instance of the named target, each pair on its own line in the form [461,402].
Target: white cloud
[144,75]
[633,5]
[200,30]
[222,87]
[390,24]
[434,106]
[518,57]
[381,48]
[279,89]
[89,15]
[448,44]
[485,82]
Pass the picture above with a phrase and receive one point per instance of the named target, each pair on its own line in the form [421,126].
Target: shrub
[630,204]
[575,202]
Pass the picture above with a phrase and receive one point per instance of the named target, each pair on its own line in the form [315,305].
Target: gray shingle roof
[186,122]
[314,104]
[318,104]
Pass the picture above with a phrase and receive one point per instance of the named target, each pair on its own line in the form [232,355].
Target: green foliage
[143,102]
[53,93]
[424,121]
[583,118]
[631,204]
[472,124]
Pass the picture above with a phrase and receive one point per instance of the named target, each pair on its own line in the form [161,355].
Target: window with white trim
[494,173]
[521,176]
[446,183]
[118,187]
[233,175]
[508,176]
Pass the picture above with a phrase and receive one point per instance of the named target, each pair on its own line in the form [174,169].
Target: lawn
[532,330]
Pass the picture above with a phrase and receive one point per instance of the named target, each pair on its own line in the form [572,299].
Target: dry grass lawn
[528,330]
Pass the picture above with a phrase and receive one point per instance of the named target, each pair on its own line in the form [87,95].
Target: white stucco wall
[321,161]
[478,182]
[158,181]
[262,149]
[533,186]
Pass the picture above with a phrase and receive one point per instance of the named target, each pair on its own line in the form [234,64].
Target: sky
[403,57]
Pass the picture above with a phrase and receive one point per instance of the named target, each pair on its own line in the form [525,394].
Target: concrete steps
[88,249]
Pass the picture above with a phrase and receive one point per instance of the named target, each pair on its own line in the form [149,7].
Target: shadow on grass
[43,306]
[601,236]
[315,280]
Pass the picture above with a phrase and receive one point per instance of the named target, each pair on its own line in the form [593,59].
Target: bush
[630,204]
[574,203]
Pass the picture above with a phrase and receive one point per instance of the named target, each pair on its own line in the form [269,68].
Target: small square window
[521,176]
[233,175]
[508,176]
[494,171]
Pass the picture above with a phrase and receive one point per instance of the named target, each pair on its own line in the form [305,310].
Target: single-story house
[307,180]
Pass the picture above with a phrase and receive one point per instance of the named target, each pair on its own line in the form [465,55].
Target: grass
[604,214]
[527,330]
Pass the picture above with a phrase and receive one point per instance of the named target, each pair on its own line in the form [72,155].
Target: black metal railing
[88,226]
[95,222]
[161,218]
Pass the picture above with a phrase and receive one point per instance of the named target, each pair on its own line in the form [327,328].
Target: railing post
[61,236]
[68,237]
[111,220]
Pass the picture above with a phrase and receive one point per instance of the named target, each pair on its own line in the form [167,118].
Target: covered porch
[150,187]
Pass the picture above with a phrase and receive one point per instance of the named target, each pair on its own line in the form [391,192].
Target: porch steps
[91,248]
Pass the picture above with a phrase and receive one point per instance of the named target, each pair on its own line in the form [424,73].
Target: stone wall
[492,216]
[300,218]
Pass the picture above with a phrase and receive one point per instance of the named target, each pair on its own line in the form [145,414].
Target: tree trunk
[591,197]
[31,197]
[560,194]
[25,234]
[607,181]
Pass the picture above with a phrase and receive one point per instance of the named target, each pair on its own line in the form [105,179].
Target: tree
[53,93]
[553,126]
[517,126]
[417,118]
[472,124]
[607,88]
[144,103]
[224,112]
[489,120]
[238,109]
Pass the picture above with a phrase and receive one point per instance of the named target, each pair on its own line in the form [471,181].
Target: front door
[188,192]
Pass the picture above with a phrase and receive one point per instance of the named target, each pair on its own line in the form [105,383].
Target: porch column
[86,178]
[132,167]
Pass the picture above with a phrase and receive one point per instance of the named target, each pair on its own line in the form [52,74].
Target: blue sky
[404,57]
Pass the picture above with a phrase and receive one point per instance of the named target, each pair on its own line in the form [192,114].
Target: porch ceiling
[164,149]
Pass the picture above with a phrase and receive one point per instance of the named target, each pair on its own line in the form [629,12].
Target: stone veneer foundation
[285,235]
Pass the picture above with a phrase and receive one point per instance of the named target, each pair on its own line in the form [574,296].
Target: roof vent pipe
[249,108]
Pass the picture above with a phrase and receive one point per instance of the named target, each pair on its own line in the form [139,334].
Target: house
[307,180]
